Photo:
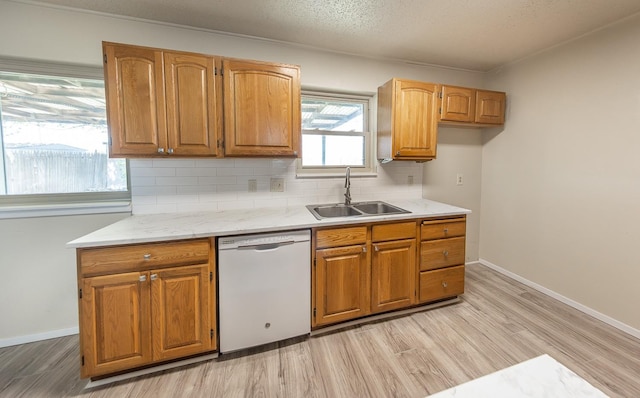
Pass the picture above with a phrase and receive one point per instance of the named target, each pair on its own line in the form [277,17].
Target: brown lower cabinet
[343,278]
[145,304]
[441,283]
[376,267]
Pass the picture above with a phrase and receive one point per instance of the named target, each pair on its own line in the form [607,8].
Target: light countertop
[538,377]
[175,226]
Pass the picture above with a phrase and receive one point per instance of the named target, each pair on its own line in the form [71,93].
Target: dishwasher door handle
[268,246]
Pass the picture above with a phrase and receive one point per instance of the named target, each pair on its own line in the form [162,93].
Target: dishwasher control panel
[231,242]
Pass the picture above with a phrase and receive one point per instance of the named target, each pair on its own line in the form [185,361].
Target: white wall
[50,34]
[561,183]
[38,289]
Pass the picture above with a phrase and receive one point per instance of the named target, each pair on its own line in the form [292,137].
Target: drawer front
[441,229]
[441,253]
[341,237]
[441,284]
[396,231]
[110,260]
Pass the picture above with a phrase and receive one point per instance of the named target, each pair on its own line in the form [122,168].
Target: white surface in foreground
[542,376]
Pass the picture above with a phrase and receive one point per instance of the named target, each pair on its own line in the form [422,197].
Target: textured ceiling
[469,34]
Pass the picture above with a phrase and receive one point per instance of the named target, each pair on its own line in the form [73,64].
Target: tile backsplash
[178,185]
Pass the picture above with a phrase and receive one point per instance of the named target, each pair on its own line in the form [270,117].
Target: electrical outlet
[253,185]
[277,184]
[459,179]
[410,180]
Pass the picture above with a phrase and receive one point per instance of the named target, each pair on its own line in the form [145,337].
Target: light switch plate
[277,184]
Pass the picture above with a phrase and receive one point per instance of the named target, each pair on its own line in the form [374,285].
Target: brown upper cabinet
[407,120]
[261,108]
[162,102]
[471,107]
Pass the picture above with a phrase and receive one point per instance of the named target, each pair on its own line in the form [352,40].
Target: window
[53,139]
[335,134]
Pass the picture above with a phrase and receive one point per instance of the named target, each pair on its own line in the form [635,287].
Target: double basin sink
[360,209]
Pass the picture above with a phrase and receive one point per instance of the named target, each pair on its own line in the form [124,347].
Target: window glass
[334,132]
[53,136]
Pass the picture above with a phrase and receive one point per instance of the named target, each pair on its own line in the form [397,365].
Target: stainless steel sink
[361,209]
[336,210]
[377,208]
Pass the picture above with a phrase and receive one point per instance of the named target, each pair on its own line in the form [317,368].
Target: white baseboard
[580,307]
[38,337]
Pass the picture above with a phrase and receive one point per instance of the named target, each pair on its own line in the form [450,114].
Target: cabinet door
[342,284]
[134,87]
[261,109]
[192,96]
[490,107]
[180,311]
[458,104]
[393,275]
[116,322]
[415,122]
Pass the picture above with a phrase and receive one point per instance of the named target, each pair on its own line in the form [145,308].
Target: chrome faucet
[347,185]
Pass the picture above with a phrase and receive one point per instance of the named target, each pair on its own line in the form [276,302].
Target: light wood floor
[498,323]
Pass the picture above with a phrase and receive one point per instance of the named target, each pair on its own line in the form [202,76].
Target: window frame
[369,169]
[15,206]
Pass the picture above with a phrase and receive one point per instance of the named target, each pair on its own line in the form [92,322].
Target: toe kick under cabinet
[145,304]
[362,270]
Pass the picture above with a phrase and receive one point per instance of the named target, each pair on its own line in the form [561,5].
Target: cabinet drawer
[341,237]
[441,253]
[110,260]
[405,230]
[442,283]
[440,229]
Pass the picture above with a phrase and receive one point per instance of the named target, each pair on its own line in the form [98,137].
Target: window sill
[66,209]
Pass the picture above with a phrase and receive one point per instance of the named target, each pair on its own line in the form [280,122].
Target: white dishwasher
[264,288]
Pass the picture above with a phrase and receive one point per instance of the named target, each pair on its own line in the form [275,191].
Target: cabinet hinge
[440,94]
[314,312]
[80,293]
[104,56]
[314,261]
[440,111]
[82,361]
[211,334]
[210,276]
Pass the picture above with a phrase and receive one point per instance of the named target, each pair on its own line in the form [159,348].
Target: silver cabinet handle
[154,277]
[445,253]
[160,150]
[444,284]
[364,249]
[446,231]
[170,151]
[376,247]
[147,257]
[142,278]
